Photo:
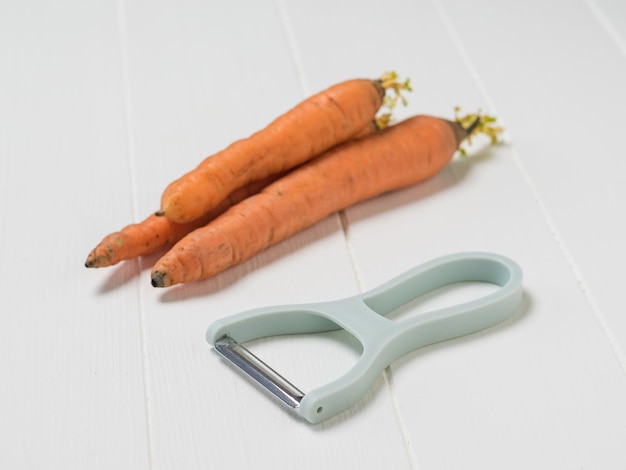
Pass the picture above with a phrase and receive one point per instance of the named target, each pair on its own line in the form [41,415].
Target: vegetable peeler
[363,316]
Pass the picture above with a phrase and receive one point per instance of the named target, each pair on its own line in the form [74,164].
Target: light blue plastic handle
[384,340]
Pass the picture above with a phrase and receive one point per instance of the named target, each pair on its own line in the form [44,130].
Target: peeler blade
[259,371]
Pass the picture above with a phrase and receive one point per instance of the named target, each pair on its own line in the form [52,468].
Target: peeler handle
[270,321]
[384,341]
[363,316]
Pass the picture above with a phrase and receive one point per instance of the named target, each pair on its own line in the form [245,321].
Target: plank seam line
[607,25]
[345,227]
[388,376]
[292,45]
[4,187]
[132,166]
[570,260]
[343,218]
[565,252]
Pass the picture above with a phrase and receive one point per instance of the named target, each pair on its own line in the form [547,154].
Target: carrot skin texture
[398,156]
[138,239]
[156,232]
[313,126]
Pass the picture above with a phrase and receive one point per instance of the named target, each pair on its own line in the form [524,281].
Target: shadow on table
[452,175]
[413,356]
[521,314]
[127,271]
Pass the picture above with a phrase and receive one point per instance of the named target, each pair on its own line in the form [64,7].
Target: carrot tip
[98,262]
[92,261]
[160,213]
[159,279]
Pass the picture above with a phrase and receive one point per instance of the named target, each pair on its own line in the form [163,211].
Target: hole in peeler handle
[442,297]
[288,353]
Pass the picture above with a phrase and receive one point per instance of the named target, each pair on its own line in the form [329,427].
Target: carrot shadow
[232,275]
[453,174]
[403,362]
[126,271]
[519,316]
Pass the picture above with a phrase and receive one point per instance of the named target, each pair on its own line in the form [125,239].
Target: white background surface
[102,103]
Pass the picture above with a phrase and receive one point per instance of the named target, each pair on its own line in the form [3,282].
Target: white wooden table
[102,103]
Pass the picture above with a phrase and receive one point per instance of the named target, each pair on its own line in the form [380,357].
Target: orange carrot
[154,232]
[315,125]
[398,156]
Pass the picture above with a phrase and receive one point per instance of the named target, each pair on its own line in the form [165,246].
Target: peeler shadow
[456,171]
[365,403]
[231,276]
[452,175]
[340,346]
[386,378]
[127,271]
[521,314]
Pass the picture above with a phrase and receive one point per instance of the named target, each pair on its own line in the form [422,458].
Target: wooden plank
[203,75]
[555,147]
[557,144]
[380,40]
[611,14]
[71,394]
[543,374]
[100,370]
[549,380]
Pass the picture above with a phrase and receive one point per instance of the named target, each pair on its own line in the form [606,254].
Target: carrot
[155,233]
[398,156]
[313,126]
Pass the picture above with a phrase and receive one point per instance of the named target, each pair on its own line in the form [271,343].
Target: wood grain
[103,103]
